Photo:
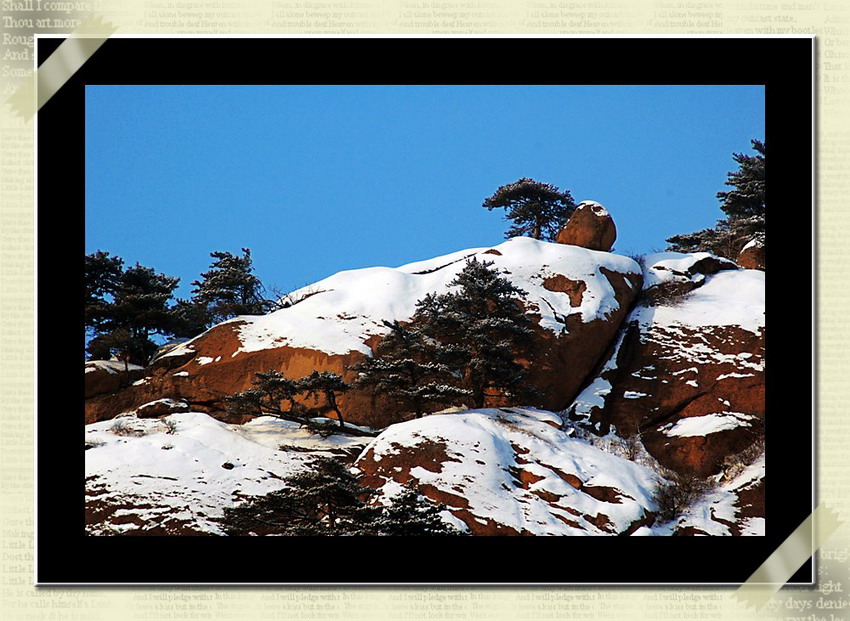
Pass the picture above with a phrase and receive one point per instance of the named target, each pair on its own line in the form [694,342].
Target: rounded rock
[590,226]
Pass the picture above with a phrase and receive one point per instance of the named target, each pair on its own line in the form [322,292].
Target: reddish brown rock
[692,394]
[109,376]
[431,456]
[751,500]
[204,386]
[590,226]
[573,288]
[560,364]
[752,256]
[216,365]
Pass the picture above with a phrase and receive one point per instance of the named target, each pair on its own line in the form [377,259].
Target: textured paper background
[19,600]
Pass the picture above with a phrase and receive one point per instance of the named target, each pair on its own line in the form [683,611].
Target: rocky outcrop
[668,276]
[687,374]
[590,226]
[108,376]
[576,297]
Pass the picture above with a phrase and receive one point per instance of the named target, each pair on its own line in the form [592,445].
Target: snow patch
[737,375]
[728,298]
[594,396]
[753,526]
[111,366]
[707,424]
[595,207]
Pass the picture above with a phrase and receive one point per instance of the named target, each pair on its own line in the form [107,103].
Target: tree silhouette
[536,209]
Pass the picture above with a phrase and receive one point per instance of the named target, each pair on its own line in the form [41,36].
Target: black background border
[65,555]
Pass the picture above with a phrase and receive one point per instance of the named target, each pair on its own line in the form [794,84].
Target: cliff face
[687,373]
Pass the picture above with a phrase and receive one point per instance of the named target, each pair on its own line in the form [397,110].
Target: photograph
[429,312]
[535,380]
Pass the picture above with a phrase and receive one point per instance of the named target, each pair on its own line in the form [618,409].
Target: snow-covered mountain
[649,375]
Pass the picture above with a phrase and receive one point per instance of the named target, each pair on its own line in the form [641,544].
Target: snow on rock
[512,471]
[726,509]
[707,424]
[667,276]
[108,376]
[112,367]
[335,317]
[160,407]
[499,471]
[575,297]
[591,400]
[665,267]
[732,298]
[695,349]
[175,475]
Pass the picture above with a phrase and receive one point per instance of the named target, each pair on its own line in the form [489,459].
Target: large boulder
[590,226]
[576,297]
[686,375]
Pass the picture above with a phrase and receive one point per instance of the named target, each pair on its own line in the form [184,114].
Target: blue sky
[318,179]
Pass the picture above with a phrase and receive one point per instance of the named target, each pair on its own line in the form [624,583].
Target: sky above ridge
[319,179]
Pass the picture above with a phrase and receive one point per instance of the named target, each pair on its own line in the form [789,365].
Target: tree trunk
[478,397]
[332,402]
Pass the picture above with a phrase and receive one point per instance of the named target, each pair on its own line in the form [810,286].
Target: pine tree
[411,515]
[230,288]
[115,343]
[326,384]
[747,198]
[323,501]
[329,500]
[536,209]
[141,306]
[744,207]
[269,390]
[189,318]
[124,308]
[724,240]
[103,275]
[480,329]
[405,369]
